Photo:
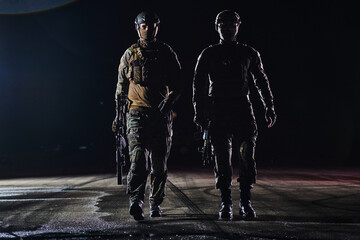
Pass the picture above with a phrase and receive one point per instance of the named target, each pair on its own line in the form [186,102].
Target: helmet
[147,17]
[227,16]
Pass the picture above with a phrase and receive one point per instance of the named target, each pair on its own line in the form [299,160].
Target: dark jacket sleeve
[261,81]
[174,75]
[200,86]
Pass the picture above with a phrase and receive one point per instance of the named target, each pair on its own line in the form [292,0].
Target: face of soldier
[228,30]
[148,31]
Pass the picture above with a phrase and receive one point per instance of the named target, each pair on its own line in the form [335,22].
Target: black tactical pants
[233,135]
[236,146]
[149,137]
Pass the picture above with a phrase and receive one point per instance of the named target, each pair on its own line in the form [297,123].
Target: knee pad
[243,151]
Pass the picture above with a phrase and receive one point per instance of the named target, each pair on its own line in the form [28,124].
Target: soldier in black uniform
[149,84]
[221,96]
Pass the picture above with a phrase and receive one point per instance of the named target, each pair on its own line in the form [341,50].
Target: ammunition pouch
[145,67]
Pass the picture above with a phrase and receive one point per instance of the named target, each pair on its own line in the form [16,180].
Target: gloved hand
[114,125]
[270,116]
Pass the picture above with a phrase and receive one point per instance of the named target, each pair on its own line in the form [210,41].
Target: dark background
[58,73]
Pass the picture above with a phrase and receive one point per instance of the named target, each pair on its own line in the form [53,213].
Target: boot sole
[248,217]
[155,215]
[225,218]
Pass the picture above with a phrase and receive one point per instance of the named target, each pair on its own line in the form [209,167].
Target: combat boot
[226,210]
[155,211]
[246,210]
[136,210]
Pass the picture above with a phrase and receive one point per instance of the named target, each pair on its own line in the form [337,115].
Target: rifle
[122,152]
[207,149]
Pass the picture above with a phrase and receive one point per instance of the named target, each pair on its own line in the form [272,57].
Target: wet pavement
[290,204]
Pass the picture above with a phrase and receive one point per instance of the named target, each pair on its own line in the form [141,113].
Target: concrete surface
[291,204]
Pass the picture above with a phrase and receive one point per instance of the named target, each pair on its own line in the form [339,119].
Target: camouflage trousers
[149,136]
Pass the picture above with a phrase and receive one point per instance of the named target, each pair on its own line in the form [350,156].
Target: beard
[149,34]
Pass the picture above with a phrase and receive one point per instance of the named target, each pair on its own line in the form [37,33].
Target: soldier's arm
[175,75]
[122,86]
[261,81]
[262,84]
[200,86]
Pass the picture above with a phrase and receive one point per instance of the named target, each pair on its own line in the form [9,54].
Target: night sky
[58,74]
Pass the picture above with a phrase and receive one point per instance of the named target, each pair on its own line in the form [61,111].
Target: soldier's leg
[159,154]
[223,172]
[138,170]
[247,174]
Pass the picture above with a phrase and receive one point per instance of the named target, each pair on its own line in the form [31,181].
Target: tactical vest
[228,71]
[147,65]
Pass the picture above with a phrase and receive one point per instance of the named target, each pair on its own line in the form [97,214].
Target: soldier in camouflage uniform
[221,95]
[148,84]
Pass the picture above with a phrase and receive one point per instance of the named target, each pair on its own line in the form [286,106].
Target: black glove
[118,122]
[270,116]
